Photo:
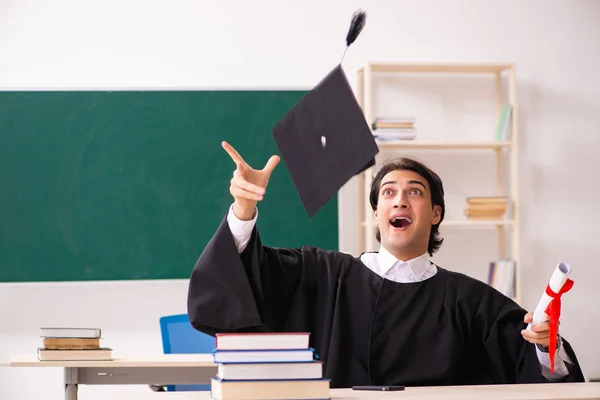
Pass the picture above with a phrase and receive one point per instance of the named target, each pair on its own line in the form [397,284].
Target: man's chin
[398,243]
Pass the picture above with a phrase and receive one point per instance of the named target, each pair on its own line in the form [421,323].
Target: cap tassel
[356,26]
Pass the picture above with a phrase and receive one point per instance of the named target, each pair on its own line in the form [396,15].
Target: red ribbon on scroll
[553,312]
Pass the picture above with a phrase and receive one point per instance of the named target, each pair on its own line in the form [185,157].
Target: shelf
[469,223]
[502,77]
[415,144]
[438,68]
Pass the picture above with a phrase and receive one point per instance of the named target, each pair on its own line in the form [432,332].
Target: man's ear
[437,214]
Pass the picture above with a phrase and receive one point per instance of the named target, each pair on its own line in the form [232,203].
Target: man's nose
[400,202]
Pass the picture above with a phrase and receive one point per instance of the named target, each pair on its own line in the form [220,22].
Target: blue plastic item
[180,337]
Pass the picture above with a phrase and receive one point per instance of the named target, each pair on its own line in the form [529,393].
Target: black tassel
[356,26]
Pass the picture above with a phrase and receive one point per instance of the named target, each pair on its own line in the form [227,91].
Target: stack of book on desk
[72,344]
[267,366]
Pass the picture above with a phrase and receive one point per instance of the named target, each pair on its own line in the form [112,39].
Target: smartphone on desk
[382,388]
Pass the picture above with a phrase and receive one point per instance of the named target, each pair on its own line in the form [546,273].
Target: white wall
[274,44]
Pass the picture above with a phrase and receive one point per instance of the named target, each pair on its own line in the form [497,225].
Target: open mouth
[400,222]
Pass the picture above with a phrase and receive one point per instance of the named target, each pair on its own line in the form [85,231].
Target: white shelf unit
[364,93]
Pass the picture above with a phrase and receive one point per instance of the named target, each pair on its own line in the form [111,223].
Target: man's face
[405,214]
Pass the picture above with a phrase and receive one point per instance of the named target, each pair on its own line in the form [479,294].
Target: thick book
[58,332]
[102,354]
[262,356]
[69,343]
[262,341]
[267,390]
[271,371]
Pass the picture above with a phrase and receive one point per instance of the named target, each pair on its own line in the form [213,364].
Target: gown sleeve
[512,359]
[262,289]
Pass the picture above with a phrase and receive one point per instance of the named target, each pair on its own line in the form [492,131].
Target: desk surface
[159,360]
[560,391]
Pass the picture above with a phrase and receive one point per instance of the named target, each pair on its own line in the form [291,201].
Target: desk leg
[71,375]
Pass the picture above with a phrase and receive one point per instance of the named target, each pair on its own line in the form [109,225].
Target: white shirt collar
[417,266]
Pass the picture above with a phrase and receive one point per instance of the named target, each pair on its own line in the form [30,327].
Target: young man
[384,318]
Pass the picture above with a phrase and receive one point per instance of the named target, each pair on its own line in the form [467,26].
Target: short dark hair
[435,185]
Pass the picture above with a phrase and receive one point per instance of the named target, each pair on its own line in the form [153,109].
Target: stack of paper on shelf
[486,208]
[267,366]
[401,128]
[72,344]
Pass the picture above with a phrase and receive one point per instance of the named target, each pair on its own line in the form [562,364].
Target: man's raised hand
[248,185]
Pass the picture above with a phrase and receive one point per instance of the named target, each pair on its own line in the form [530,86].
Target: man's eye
[415,191]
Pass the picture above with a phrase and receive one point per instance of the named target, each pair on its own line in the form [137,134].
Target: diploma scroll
[548,308]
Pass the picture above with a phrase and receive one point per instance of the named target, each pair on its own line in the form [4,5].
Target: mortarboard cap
[324,139]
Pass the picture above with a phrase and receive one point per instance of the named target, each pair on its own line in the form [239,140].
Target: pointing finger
[235,156]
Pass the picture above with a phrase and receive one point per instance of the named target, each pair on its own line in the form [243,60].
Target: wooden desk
[551,391]
[163,369]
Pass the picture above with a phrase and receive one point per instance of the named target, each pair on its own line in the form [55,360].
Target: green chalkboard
[116,185]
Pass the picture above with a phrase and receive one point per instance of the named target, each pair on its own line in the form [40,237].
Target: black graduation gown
[447,330]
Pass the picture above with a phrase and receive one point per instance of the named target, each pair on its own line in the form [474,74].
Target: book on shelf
[486,207]
[273,365]
[393,123]
[401,128]
[487,199]
[501,276]
[503,127]
[408,134]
